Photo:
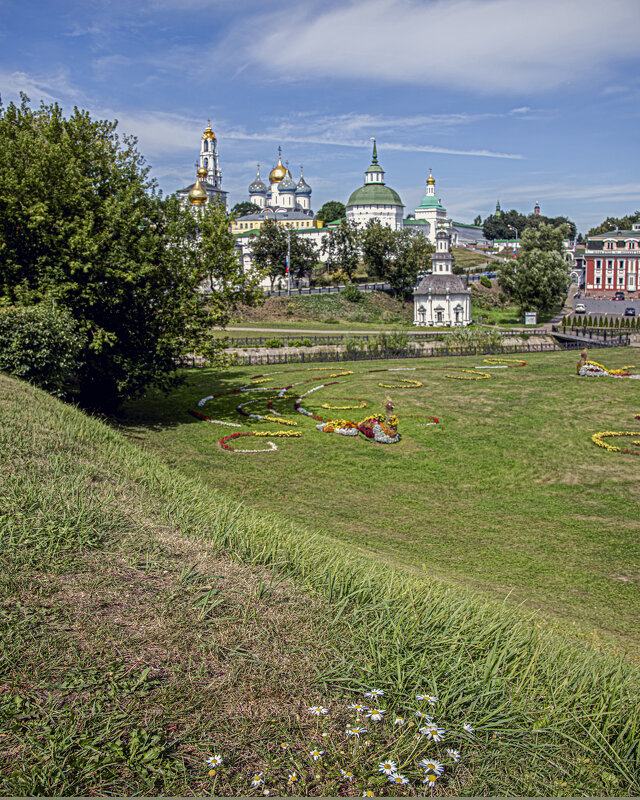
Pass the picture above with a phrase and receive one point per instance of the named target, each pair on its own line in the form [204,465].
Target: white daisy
[215,761]
[368,793]
[431,699]
[468,728]
[376,714]
[353,730]
[388,767]
[374,693]
[399,721]
[454,754]
[346,774]
[398,778]
[316,754]
[318,710]
[357,707]
[293,778]
[257,780]
[433,732]
[432,766]
[424,717]
[430,779]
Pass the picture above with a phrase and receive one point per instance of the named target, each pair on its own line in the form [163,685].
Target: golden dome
[279,171]
[198,196]
[431,180]
[203,172]
[208,133]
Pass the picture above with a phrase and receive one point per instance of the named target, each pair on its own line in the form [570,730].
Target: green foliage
[611,223]
[273,342]
[352,293]
[42,345]
[306,342]
[270,249]
[331,211]
[497,226]
[539,277]
[342,248]
[244,208]
[486,282]
[82,226]
[397,257]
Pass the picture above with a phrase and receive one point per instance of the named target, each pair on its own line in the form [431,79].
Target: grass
[149,622]
[467,259]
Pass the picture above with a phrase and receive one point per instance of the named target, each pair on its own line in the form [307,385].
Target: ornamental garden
[483,471]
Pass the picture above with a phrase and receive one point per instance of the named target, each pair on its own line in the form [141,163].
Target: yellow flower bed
[405,384]
[477,376]
[280,421]
[598,439]
[281,434]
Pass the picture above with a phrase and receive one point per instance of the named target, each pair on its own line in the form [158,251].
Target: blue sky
[516,100]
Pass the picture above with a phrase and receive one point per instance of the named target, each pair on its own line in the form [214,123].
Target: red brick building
[613,263]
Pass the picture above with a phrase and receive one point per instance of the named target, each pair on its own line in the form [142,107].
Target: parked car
[580,308]
[618,296]
[630,312]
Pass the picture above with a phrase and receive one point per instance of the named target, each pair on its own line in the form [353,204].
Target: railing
[251,359]
[364,287]
[602,336]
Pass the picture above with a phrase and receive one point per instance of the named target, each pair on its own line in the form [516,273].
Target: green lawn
[508,494]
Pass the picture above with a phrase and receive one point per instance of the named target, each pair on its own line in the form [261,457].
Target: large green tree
[501,226]
[244,208]
[331,211]
[342,245]
[395,256]
[611,223]
[82,227]
[539,277]
[269,251]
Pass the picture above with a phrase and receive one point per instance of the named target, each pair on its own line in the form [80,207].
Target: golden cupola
[279,171]
[208,132]
[198,195]
[431,180]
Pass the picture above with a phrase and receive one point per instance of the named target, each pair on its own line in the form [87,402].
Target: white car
[580,308]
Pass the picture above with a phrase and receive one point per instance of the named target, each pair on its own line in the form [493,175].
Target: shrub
[296,343]
[351,345]
[352,293]
[486,282]
[306,343]
[272,343]
[42,345]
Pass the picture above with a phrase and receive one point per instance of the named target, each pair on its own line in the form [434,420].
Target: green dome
[375,194]
[430,201]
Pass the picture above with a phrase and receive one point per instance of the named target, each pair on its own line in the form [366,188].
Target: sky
[511,100]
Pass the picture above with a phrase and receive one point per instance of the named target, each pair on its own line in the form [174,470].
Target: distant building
[441,298]
[612,262]
[209,174]
[375,200]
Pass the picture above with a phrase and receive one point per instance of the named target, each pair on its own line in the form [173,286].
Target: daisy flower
[374,693]
[431,699]
[376,714]
[215,761]
[433,732]
[293,778]
[357,707]
[430,780]
[318,710]
[284,745]
[468,728]
[388,767]
[454,754]
[398,778]
[353,730]
[257,780]
[316,754]
[432,766]
[346,774]
[368,793]
[399,721]
[425,717]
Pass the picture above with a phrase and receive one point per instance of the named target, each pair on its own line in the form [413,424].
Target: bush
[296,343]
[272,343]
[485,281]
[306,343]
[42,345]
[352,293]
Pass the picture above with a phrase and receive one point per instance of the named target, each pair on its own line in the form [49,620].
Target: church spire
[374,159]
[375,173]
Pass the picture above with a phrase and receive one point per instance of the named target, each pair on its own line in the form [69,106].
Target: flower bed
[223,443]
[475,375]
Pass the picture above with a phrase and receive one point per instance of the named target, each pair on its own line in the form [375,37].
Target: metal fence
[364,287]
[252,359]
[601,336]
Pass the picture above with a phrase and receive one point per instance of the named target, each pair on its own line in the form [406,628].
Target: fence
[364,287]
[601,336]
[251,359]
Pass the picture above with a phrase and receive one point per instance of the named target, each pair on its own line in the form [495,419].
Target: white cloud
[481,45]
[49,87]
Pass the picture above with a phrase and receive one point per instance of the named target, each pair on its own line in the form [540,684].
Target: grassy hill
[149,623]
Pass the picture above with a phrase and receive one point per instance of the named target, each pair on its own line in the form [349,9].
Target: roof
[430,201]
[440,284]
[412,221]
[615,235]
[375,194]
[281,215]
[467,225]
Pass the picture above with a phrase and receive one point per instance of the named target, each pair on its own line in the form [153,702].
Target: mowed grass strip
[148,624]
[507,495]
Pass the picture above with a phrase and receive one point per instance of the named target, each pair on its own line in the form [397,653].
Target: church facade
[374,200]
[209,174]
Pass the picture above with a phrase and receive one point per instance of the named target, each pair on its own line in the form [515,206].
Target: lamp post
[516,247]
[274,211]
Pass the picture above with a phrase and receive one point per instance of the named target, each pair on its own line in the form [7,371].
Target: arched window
[205,146]
[206,163]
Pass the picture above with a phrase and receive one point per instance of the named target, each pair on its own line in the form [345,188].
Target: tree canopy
[83,227]
[244,208]
[611,223]
[269,250]
[395,256]
[500,226]
[342,248]
[539,277]
[331,211]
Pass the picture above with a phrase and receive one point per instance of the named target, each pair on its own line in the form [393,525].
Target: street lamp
[515,250]
[274,211]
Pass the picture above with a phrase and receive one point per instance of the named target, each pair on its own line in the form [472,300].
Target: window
[598,280]
[205,146]
[608,245]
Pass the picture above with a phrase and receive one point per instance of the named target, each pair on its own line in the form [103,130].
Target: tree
[331,211]
[611,223]
[477,220]
[82,227]
[395,256]
[501,226]
[244,208]
[539,277]
[269,249]
[342,248]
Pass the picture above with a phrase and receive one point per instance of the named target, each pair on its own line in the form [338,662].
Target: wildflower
[212,772]
[430,780]
[432,766]
[284,745]
[368,793]
[374,693]
[454,754]
[376,714]
[433,732]
[398,778]
[388,767]
[316,754]
[468,728]
[346,774]
[257,780]
[399,721]
[431,699]
[425,717]
[318,710]
[357,707]
[215,761]
[353,730]
[293,779]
